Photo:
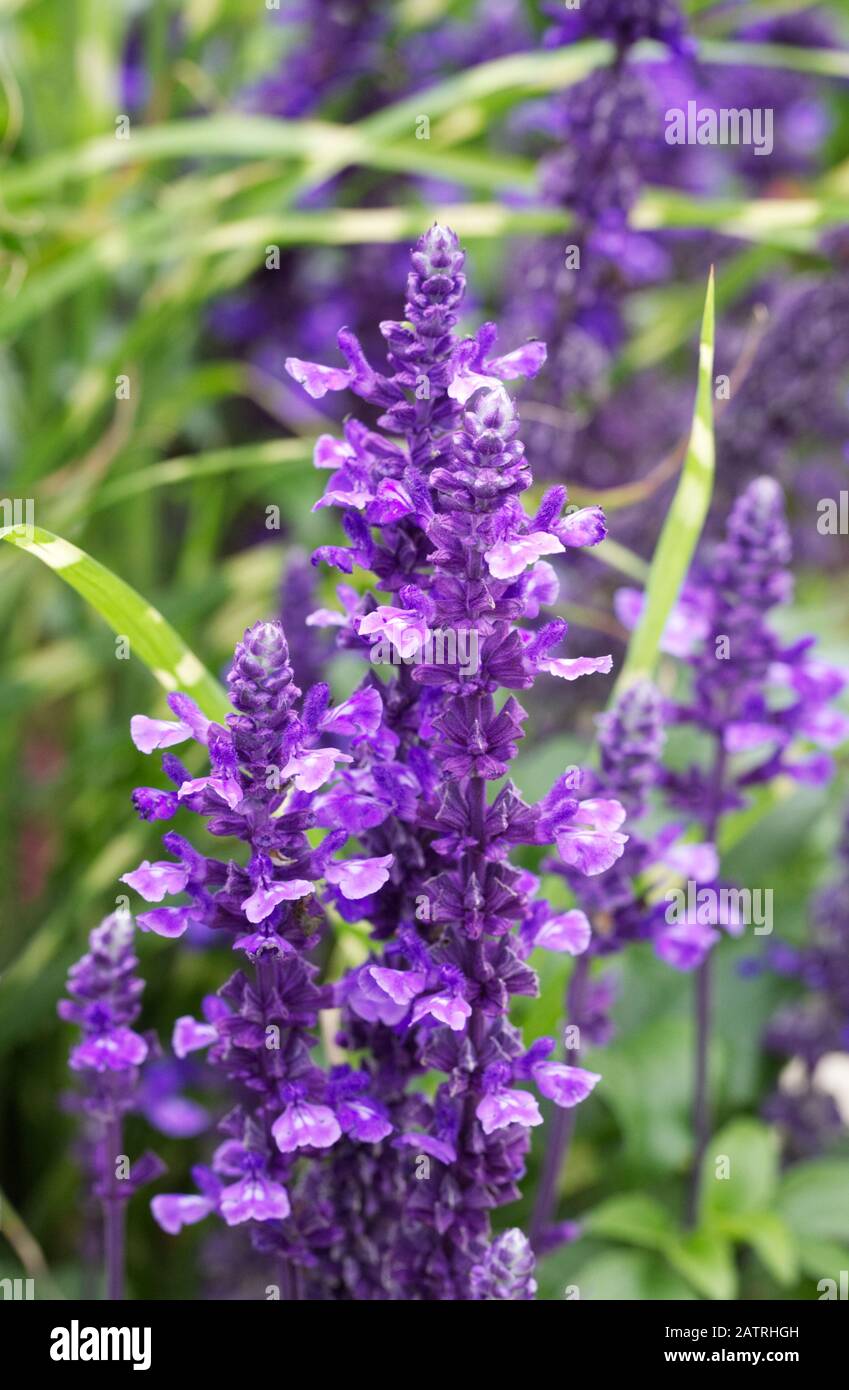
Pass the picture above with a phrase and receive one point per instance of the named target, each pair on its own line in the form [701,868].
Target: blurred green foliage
[110,255]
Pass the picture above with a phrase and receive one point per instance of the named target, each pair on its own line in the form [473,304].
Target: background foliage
[113,256]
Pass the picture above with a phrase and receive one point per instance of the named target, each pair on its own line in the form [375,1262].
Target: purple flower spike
[506,1272]
[267,766]
[433,507]
[104,1001]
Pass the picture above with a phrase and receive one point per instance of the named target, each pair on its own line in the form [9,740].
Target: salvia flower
[461,558]
[259,1030]
[812,1033]
[104,1002]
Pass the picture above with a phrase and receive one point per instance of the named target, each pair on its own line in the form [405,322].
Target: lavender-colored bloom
[615,910]
[104,1002]
[624,22]
[506,1270]
[810,1031]
[457,559]
[266,764]
[751,692]
[334,46]
[760,701]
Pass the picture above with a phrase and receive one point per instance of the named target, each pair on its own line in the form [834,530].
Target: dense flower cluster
[438,519]
[104,1002]
[757,699]
[624,22]
[813,1033]
[260,1027]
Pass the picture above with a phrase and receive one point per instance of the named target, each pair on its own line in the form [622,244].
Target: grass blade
[685,519]
[129,615]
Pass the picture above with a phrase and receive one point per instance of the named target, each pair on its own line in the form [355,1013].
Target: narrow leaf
[128,614]
[685,519]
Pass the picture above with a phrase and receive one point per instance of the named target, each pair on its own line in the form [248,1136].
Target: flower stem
[562,1125]
[701,1099]
[114,1215]
[702,1002]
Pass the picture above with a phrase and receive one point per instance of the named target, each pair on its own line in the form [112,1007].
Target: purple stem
[701,1099]
[703,1019]
[114,1215]
[562,1125]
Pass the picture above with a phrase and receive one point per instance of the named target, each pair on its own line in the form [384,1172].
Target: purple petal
[363,1120]
[153,881]
[402,986]
[826,727]
[326,617]
[225,787]
[317,380]
[188,713]
[427,1144]
[502,1108]
[148,734]
[153,804]
[357,878]
[312,767]
[592,842]
[586,526]
[699,862]
[405,629]
[391,502]
[166,921]
[172,1211]
[303,1125]
[741,738]
[177,1116]
[685,945]
[361,713]
[118,1050]
[569,669]
[254,1198]
[569,932]
[190,1036]
[526,360]
[566,1086]
[450,1009]
[508,558]
[542,588]
[265,897]
[330,452]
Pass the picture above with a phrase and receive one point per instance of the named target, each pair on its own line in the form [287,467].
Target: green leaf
[273,453]
[823,62]
[789,224]
[619,557]
[822,1259]
[683,525]
[628,1276]
[128,614]
[706,1258]
[771,1240]
[648,1085]
[636,1219]
[813,1199]
[751,1150]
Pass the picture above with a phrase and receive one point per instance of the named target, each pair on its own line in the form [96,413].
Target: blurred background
[190,193]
